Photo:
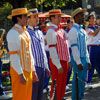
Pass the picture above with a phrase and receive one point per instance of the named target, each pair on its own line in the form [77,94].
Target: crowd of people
[36,55]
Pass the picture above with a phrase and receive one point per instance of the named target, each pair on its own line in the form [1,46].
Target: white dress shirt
[92,40]
[52,40]
[72,37]
[14,44]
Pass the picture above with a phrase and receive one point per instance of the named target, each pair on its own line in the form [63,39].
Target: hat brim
[83,10]
[30,14]
[54,14]
[10,16]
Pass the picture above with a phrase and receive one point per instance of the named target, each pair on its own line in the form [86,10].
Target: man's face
[80,17]
[23,20]
[57,19]
[33,20]
[92,19]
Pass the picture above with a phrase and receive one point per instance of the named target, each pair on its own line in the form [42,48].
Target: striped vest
[24,52]
[62,44]
[36,47]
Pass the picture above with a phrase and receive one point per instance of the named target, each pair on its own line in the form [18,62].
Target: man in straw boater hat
[22,68]
[79,56]
[59,54]
[37,46]
[93,42]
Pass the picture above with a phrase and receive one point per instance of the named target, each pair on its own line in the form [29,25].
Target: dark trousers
[37,89]
[94,53]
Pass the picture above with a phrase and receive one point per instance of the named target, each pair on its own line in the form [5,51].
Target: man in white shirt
[38,52]
[22,63]
[59,54]
[79,56]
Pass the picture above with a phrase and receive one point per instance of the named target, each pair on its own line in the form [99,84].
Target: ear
[18,18]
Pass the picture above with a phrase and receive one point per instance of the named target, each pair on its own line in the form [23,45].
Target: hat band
[19,12]
[76,11]
[34,11]
[55,12]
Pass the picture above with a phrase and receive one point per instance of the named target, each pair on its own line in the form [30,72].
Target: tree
[37,3]
[18,3]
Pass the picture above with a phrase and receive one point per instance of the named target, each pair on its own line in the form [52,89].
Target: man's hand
[48,72]
[35,77]
[89,66]
[60,71]
[22,79]
[80,67]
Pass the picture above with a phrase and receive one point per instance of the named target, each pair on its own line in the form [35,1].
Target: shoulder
[12,33]
[50,30]
[72,30]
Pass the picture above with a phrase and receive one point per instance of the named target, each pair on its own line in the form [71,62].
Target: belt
[94,45]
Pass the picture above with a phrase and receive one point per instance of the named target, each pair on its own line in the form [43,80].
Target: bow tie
[36,28]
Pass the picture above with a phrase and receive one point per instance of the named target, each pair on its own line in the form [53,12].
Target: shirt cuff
[78,61]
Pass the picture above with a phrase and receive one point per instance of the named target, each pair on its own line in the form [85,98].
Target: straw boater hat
[33,12]
[18,11]
[78,10]
[54,12]
[92,14]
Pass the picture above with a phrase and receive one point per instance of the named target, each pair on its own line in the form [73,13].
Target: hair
[89,17]
[68,21]
[51,16]
[14,18]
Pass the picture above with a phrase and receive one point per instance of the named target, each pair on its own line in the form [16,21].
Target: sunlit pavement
[90,94]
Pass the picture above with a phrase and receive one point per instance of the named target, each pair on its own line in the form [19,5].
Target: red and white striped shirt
[61,45]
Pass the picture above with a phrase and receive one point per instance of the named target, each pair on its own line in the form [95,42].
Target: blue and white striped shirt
[77,39]
[37,46]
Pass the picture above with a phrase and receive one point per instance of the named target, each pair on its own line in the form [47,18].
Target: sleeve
[14,44]
[72,37]
[52,40]
[88,30]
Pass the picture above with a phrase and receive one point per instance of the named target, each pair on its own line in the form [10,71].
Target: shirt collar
[54,25]
[19,26]
[33,28]
[30,27]
[80,26]
[77,24]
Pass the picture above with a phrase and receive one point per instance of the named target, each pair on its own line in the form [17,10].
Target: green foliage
[58,3]
[4,12]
